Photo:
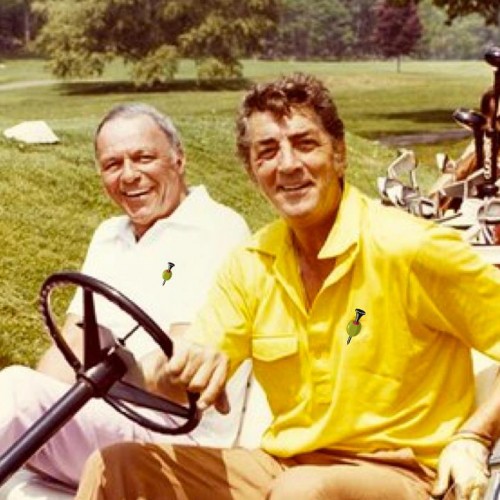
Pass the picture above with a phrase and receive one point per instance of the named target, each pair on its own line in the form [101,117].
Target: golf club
[492,57]
[405,163]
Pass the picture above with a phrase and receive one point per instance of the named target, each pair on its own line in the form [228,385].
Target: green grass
[51,199]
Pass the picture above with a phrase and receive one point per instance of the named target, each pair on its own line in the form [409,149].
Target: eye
[146,158]
[267,152]
[306,144]
[143,157]
[110,165]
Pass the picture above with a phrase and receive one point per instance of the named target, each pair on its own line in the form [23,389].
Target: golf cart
[103,373]
[107,372]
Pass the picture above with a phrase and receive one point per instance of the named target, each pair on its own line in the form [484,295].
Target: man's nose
[289,160]
[129,171]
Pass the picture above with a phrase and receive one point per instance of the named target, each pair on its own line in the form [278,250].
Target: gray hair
[131,110]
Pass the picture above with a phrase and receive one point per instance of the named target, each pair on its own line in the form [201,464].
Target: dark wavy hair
[298,90]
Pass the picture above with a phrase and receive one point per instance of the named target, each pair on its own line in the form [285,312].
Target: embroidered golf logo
[354,327]
[167,273]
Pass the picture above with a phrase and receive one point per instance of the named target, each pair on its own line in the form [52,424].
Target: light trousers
[26,395]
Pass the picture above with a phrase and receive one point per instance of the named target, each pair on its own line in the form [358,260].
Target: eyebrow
[293,137]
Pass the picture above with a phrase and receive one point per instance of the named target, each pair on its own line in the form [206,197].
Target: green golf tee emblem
[354,326]
[167,273]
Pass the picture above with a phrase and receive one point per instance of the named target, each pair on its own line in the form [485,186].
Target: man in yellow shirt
[359,411]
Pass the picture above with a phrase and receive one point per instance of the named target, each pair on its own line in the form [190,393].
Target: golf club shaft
[494,138]
[479,147]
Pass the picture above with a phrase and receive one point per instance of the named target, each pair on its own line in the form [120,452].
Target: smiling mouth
[294,187]
[136,194]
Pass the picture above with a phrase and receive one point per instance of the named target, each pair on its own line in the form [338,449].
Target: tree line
[79,37]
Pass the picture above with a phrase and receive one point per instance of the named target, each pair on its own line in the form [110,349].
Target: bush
[215,69]
[159,66]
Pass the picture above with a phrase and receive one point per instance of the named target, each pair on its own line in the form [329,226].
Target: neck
[310,240]
[312,271]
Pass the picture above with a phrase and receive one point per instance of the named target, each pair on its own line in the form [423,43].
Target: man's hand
[465,463]
[193,368]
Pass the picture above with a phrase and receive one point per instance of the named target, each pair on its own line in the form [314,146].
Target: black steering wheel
[121,395]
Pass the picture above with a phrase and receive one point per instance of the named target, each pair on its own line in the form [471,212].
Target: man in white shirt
[165,225]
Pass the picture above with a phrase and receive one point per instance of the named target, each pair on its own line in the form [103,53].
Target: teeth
[292,188]
[135,194]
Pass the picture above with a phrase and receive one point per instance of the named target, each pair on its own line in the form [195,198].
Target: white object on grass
[32,132]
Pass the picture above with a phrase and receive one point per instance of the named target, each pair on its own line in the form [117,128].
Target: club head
[388,186]
[492,57]
[470,119]
[407,195]
[404,163]
[423,207]
[489,212]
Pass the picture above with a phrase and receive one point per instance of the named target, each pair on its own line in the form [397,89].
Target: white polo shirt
[195,238]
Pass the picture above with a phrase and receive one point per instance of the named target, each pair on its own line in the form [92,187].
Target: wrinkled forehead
[125,132]
[263,125]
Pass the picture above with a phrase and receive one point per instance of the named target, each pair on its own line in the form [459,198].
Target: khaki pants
[151,472]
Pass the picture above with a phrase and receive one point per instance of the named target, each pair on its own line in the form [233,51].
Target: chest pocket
[277,366]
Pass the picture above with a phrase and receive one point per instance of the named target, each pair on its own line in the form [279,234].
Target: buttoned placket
[317,340]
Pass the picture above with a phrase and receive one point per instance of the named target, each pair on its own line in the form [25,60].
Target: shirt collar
[273,238]
[345,230]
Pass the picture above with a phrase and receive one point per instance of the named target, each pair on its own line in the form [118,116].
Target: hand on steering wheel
[121,395]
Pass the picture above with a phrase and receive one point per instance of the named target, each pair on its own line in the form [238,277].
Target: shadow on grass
[96,88]
[450,130]
[443,116]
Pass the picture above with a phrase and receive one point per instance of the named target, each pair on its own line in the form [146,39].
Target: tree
[465,38]
[397,29]
[488,9]
[362,26]
[81,37]
[318,29]
[16,24]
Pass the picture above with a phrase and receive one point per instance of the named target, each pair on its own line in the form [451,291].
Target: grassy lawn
[51,199]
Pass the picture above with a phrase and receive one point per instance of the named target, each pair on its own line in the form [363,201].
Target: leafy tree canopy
[488,9]
[80,37]
[397,29]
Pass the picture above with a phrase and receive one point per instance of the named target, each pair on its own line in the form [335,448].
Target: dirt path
[27,84]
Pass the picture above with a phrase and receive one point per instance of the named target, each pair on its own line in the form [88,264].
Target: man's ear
[180,162]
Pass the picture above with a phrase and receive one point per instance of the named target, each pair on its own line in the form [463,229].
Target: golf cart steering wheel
[120,394]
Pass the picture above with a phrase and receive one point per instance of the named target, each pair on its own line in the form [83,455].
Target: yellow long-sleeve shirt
[406,380]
